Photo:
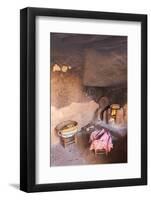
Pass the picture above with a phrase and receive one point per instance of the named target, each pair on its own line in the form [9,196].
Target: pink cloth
[101,140]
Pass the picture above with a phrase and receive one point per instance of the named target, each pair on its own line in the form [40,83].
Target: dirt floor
[79,153]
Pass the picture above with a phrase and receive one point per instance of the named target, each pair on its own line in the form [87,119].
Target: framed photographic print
[83,99]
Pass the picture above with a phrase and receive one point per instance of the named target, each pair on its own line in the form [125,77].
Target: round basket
[67,129]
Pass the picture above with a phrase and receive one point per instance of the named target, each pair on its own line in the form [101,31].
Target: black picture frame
[28,99]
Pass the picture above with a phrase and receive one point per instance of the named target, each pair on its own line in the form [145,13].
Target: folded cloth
[101,140]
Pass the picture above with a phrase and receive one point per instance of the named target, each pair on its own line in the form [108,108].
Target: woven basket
[67,128]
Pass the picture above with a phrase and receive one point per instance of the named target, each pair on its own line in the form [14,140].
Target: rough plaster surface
[105,68]
[66,88]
